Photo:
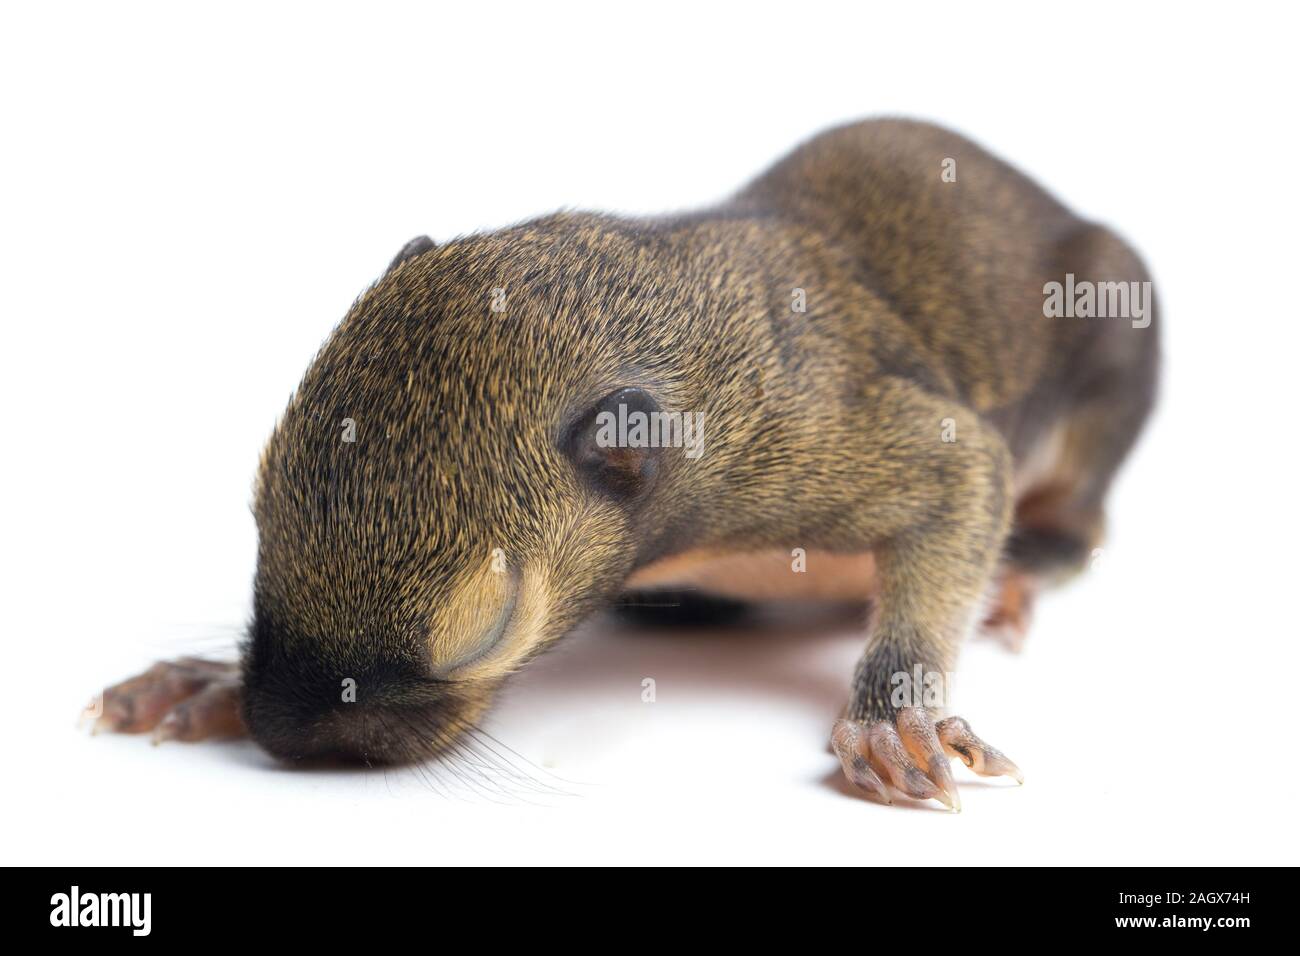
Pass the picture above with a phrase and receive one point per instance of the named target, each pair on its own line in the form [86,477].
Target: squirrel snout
[351,722]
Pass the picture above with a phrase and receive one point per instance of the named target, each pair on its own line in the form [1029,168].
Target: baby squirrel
[886,361]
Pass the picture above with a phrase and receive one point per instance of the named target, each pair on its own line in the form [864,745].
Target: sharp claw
[916,730]
[960,741]
[891,754]
[941,774]
[890,757]
[850,744]
[997,764]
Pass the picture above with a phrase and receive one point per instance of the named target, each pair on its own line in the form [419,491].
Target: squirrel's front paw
[910,754]
[187,699]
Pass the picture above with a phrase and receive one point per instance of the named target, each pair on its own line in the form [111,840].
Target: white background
[192,200]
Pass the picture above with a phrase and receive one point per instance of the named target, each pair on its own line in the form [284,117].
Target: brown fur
[924,304]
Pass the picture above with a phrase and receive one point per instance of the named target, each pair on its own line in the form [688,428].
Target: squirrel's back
[959,246]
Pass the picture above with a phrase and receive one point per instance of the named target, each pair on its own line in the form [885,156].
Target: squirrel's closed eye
[612,447]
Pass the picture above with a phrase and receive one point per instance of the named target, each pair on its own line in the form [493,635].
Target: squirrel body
[866,332]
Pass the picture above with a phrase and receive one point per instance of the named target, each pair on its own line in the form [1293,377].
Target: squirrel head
[442,499]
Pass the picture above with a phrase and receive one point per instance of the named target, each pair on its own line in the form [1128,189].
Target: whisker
[450,766]
[489,743]
[500,765]
[416,768]
[456,748]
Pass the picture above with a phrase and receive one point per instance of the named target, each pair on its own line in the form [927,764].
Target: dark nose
[297,729]
[305,722]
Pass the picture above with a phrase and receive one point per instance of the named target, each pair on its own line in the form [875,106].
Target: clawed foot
[187,699]
[910,754]
[1009,616]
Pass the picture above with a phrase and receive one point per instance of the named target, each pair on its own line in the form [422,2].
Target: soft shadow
[803,654]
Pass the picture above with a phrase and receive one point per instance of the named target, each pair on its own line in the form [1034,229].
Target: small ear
[415,247]
[611,444]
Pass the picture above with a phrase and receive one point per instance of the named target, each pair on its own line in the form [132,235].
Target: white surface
[190,202]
